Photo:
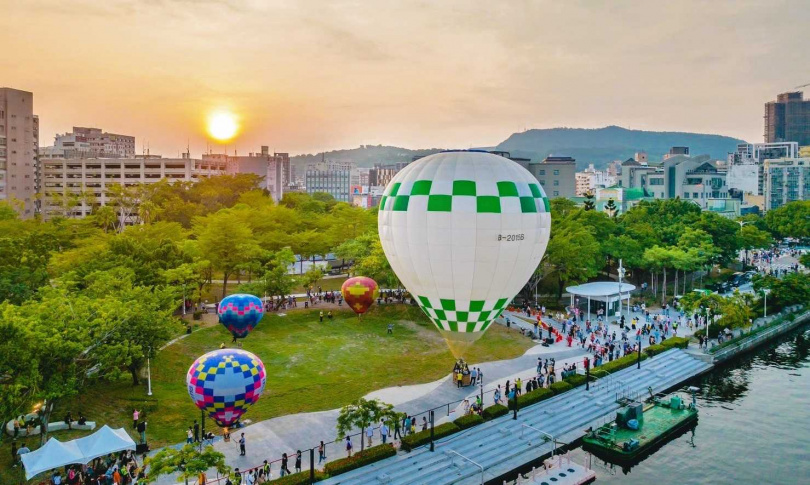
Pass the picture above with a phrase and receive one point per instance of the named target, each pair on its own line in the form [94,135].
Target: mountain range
[598,146]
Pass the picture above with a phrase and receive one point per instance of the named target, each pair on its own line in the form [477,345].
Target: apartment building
[72,187]
[19,150]
[273,169]
[557,175]
[785,180]
[590,178]
[332,178]
[788,119]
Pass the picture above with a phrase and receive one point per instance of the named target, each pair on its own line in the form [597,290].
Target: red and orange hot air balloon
[359,293]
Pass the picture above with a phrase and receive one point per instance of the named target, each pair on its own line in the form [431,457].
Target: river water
[753,428]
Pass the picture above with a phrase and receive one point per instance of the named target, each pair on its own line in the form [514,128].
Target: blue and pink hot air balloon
[225,382]
[240,313]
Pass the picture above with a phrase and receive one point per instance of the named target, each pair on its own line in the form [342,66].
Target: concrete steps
[504,444]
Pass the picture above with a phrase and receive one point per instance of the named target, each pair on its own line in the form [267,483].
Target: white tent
[56,454]
[103,442]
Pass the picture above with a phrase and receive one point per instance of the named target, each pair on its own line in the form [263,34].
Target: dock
[492,451]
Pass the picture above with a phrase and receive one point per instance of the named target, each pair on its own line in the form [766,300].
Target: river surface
[753,428]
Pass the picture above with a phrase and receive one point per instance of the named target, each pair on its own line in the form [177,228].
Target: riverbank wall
[746,344]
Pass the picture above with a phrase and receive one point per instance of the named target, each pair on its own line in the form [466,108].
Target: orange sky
[305,76]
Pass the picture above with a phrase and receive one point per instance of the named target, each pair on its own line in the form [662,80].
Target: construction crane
[802,86]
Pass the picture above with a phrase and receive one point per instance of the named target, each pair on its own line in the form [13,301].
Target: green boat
[639,427]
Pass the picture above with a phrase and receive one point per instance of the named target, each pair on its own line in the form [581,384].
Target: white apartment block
[19,150]
[88,179]
[590,179]
[273,169]
[785,180]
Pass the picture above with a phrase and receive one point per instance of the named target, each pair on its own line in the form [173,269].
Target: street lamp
[149,369]
[765,291]
[621,275]
[184,299]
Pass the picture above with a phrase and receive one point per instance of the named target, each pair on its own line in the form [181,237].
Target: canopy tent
[57,454]
[53,454]
[609,292]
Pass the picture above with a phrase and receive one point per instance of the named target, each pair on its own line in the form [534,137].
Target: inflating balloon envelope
[464,231]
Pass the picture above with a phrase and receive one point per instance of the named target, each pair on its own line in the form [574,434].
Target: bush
[198,316]
[361,458]
[298,478]
[599,373]
[560,387]
[621,363]
[493,412]
[655,349]
[468,421]
[575,380]
[531,397]
[418,439]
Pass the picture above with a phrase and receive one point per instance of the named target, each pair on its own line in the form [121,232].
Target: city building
[333,178]
[674,151]
[804,151]
[72,187]
[623,199]
[557,175]
[19,150]
[90,143]
[785,180]
[273,169]
[745,164]
[788,119]
[590,178]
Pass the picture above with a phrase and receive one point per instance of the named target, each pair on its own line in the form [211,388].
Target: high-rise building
[19,150]
[90,143]
[557,175]
[785,180]
[72,187]
[334,179]
[788,119]
[273,169]
[745,173]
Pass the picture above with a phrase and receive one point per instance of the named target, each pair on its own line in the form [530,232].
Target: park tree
[362,413]
[790,220]
[589,203]
[276,279]
[369,259]
[625,248]
[227,241]
[189,279]
[313,275]
[611,208]
[558,266]
[187,462]
[724,233]
[753,238]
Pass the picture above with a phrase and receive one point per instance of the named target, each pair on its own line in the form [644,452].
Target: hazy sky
[305,76]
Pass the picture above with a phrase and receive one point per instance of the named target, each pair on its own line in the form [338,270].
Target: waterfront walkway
[489,450]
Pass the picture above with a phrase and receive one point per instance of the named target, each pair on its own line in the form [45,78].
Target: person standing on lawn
[135,415]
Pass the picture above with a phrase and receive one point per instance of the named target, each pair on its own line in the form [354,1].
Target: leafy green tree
[753,238]
[313,275]
[362,413]
[227,241]
[187,462]
[611,208]
[790,220]
[558,265]
[589,203]
[369,259]
[276,280]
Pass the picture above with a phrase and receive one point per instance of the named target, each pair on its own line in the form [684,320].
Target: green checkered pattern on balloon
[457,316]
[511,198]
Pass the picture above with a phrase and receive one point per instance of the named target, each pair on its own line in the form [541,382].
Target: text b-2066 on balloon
[510,237]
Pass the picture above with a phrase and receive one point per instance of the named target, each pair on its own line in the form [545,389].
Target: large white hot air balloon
[464,231]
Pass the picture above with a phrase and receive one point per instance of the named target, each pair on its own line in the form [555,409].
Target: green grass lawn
[311,366]
[213,292]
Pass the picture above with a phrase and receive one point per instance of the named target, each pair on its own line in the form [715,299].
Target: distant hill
[603,145]
[598,146]
[366,155]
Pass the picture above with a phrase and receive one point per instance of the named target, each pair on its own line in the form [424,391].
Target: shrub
[655,349]
[361,458]
[531,397]
[468,421]
[676,342]
[198,316]
[575,380]
[298,478]
[599,373]
[621,363]
[418,439]
[560,387]
[493,412]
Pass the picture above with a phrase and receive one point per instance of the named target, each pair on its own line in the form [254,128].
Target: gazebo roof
[600,289]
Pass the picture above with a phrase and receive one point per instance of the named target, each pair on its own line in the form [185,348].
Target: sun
[222,126]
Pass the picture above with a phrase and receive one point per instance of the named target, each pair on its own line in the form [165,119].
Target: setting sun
[222,126]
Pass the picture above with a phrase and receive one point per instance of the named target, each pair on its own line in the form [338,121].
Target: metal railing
[553,441]
[469,460]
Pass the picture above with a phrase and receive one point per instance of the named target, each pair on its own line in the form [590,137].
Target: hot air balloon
[240,313]
[225,382]
[464,231]
[359,293]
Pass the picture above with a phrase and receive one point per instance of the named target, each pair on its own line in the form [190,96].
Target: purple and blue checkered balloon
[240,313]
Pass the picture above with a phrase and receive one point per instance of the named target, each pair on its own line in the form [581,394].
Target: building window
[556,193]
[556,183]
[541,172]
[556,172]
[542,182]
